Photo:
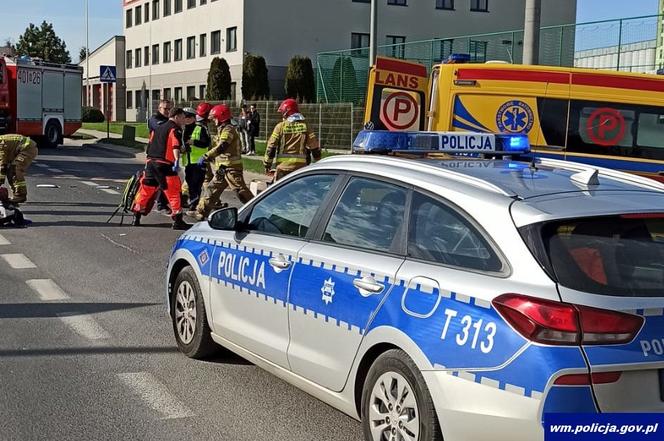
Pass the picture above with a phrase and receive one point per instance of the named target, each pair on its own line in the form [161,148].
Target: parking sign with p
[400,109]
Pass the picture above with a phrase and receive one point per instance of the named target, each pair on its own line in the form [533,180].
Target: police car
[459,298]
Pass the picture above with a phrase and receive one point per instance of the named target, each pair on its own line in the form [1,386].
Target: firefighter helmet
[288,107]
[203,110]
[220,113]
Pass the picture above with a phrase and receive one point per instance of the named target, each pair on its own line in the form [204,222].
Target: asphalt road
[86,348]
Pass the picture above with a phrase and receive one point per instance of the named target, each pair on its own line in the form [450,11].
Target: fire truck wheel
[53,134]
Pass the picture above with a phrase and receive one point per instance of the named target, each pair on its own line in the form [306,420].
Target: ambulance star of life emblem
[328,291]
[203,257]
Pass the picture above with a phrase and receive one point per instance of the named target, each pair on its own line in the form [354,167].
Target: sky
[68,17]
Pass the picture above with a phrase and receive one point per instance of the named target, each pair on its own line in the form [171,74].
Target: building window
[359,41]
[128,61]
[178,94]
[479,5]
[203,2]
[396,47]
[202,45]
[138,15]
[398,2]
[216,42]
[178,6]
[167,52]
[445,4]
[128,18]
[146,10]
[361,1]
[140,102]
[233,90]
[201,91]
[191,48]
[167,94]
[137,57]
[178,50]
[130,99]
[191,4]
[167,8]
[155,9]
[146,56]
[191,93]
[231,39]
[156,96]
[155,54]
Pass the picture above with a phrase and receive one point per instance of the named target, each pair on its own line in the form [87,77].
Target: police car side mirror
[224,219]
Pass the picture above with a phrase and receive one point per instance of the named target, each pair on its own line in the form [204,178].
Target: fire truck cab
[39,99]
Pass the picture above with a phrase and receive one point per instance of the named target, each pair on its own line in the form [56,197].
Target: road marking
[90,183]
[55,170]
[109,191]
[41,165]
[4,241]
[155,395]
[47,289]
[85,326]
[18,261]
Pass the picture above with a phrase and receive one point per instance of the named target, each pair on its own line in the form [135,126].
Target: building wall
[279,29]
[111,53]
[634,57]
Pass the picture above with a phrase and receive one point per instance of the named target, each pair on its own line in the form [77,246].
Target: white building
[633,57]
[111,53]
[170,43]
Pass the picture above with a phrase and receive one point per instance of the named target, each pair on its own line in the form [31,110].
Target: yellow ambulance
[604,118]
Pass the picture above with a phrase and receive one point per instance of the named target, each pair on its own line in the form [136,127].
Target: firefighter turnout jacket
[291,143]
[227,149]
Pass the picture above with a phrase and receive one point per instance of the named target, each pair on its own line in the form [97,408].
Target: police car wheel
[192,332]
[396,404]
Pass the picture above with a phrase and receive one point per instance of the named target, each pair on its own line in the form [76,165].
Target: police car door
[254,267]
[342,278]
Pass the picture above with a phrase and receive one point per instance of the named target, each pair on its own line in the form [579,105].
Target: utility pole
[531,31]
[87,54]
[373,35]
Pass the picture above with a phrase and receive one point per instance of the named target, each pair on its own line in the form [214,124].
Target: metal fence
[628,44]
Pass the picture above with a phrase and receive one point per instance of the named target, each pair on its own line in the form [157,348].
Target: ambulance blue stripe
[460,109]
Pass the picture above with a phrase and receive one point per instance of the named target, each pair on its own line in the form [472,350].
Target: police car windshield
[609,255]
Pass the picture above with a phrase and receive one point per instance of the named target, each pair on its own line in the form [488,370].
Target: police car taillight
[556,323]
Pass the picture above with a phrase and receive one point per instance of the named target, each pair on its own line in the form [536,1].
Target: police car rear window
[609,255]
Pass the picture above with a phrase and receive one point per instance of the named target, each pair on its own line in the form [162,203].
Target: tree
[255,84]
[219,80]
[42,42]
[82,54]
[300,79]
[344,85]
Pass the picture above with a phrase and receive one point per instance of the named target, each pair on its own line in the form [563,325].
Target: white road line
[41,165]
[155,395]
[18,261]
[4,241]
[85,326]
[109,191]
[47,289]
[55,170]
[90,183]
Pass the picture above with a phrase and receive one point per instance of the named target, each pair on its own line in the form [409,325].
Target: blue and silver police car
[459,298]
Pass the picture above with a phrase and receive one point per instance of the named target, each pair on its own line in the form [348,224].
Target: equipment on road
[39,99]
[128,196]
[10,215]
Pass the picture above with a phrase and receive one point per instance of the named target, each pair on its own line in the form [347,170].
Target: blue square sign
[107,74]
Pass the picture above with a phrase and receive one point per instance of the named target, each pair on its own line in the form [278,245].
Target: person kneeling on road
[161,170]
[16,154]
[228,170]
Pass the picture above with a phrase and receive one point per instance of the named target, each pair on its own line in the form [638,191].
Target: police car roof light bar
[453,143]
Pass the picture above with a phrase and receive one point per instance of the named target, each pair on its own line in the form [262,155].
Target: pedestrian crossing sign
[107,74]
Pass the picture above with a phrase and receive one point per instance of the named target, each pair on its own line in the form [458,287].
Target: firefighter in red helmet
[291,143]
[228,170]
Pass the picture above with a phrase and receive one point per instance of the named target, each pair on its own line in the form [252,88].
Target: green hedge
[92,115]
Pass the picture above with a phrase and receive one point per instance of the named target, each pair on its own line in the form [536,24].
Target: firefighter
[16,154]
[228,171]
[197,141]
[292,142]
[161,170]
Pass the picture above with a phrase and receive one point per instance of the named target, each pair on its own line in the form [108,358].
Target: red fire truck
[38,99]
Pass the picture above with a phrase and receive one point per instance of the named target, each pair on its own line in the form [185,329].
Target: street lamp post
[373,35]
[87,54]
[531,31]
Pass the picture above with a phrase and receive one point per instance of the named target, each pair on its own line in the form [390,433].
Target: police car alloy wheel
[190,325]
[396,404]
